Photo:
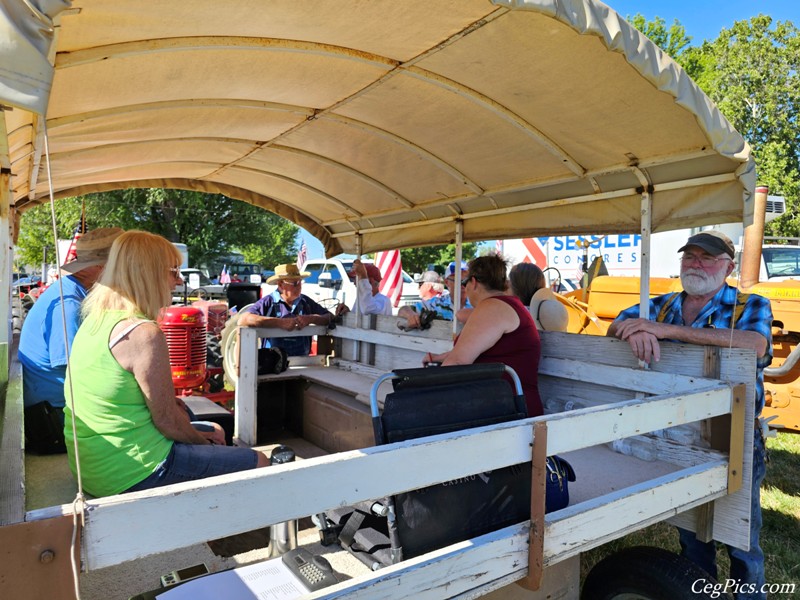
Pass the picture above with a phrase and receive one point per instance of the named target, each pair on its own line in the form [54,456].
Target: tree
[416,260]
[211,225]
[673,41]
[752,73]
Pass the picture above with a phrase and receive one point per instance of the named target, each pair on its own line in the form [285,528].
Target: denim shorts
[188,462]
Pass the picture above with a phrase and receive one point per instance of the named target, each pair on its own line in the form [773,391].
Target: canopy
[384,120]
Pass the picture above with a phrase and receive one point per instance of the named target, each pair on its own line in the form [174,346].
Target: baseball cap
[451,268]
[713,242]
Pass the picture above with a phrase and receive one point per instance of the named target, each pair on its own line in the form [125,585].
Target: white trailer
[376,126]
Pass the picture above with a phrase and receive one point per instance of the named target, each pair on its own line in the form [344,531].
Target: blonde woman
[132,432]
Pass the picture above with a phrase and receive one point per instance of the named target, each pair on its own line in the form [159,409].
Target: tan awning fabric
[386,119]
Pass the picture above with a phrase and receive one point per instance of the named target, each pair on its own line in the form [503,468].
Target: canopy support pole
[457,289]
[357,304]
[644,291]
[5,248]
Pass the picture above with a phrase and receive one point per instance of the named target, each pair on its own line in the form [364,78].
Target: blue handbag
[559,474]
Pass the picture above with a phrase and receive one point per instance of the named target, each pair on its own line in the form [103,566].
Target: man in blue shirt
[42,348]
[441,305]
[712,313]
[288,309]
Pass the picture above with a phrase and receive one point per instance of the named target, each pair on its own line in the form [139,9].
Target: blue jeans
[188,462]
[747,566]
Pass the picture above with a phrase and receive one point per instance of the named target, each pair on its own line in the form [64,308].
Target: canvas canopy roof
[391,120]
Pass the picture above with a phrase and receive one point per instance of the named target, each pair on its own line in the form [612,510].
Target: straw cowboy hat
[548,313]
[92,249]
[287,272]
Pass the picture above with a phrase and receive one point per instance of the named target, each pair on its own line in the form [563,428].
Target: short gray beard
[697,282]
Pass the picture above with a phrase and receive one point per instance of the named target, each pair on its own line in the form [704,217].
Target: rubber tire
[19,310]
[200,293]
[213,351]
[646,573]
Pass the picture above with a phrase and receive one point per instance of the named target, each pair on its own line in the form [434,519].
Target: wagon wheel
[648,573]
[200,293]
[228,345]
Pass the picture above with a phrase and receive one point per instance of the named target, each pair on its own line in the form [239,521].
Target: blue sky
[703,19]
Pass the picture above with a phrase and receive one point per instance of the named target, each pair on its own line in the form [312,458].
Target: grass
[780,506]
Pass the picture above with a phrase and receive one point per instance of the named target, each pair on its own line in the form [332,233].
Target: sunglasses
[292,283]
[453,280]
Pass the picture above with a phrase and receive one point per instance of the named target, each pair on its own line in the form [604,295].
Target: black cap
[713,242]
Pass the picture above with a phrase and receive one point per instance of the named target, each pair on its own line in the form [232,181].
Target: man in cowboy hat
[42,349]
[288,309]
[710,312]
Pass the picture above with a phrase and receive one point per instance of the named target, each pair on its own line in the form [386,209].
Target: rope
[79,502]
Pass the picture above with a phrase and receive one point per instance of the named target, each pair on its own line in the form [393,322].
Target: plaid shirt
[718,313]
[441,305]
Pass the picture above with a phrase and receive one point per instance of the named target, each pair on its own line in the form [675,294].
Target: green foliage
[36,231]
[416,260]
[672,40]
[752,73]
[210,225]
[756,84]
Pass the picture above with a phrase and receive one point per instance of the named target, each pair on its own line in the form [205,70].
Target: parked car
[197,285]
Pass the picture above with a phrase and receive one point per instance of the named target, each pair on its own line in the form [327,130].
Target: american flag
[392,271]
[80,229]
[302,256]
[224,276]
[498,246]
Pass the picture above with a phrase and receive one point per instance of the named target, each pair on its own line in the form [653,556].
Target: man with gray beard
[709,312]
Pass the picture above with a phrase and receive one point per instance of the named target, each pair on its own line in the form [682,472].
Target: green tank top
[118,442]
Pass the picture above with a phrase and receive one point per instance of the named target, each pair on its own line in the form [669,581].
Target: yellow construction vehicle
[775,269]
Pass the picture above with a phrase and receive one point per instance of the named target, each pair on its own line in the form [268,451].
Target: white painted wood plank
[589,524]
[466,566]
[450,572]
[272,332]
[253,499]
[394,340]
[651,382]
[602,424]
[244,417]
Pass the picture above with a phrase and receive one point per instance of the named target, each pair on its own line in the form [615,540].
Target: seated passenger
[547,312]
[288,309]
[525,280]
[132,432]
[441,305]
[529,285]
[431,285]
[500,329]
[370,300]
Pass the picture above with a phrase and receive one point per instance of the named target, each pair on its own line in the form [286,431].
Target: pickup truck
[330,284]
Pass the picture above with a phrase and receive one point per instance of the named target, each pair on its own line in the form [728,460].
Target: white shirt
[369,304]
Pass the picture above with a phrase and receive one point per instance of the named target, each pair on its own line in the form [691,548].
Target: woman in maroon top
[500,329]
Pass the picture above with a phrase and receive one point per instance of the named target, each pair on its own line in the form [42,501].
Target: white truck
[329,283]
